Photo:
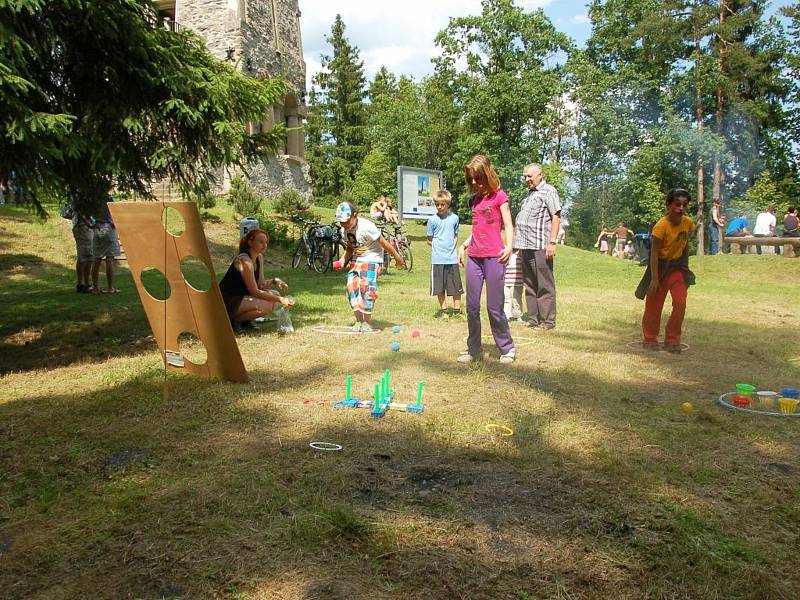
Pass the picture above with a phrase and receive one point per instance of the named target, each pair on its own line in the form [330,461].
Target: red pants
[673,283]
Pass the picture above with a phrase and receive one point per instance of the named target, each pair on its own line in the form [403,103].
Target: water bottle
[284,320]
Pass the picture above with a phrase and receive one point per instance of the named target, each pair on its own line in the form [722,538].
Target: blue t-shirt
[444,233]
[736,225]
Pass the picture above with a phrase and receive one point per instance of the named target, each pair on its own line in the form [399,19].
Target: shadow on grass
[45,324]
[207,492]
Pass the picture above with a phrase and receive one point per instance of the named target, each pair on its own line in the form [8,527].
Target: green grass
[119,482]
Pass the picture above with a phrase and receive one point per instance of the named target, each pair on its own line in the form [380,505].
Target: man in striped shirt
[535,236]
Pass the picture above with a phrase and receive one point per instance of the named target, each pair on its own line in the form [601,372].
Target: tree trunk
[698,94]
[718,174]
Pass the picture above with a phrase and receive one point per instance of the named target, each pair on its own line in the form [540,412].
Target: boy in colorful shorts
[366,246]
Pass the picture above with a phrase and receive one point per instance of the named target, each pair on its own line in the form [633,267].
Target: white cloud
[581,19]
[399,35]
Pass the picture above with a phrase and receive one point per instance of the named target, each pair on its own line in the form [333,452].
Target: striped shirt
[535,218]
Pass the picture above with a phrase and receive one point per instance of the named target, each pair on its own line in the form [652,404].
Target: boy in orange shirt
[669,272]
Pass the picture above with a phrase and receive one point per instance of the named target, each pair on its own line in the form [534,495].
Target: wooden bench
[740,245]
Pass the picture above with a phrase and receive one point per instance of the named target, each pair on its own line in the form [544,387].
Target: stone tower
[262,37]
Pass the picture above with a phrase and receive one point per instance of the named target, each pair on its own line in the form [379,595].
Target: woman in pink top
[486,252]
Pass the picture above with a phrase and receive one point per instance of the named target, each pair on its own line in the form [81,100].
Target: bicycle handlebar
[299,219]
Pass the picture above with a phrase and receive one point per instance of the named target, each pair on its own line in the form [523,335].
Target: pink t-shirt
[487,223]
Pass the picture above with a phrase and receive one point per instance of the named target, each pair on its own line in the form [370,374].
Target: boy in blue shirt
[442,237]
[737,227]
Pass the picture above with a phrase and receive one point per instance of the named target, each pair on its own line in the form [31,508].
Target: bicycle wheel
[321,260]
[299,251]
[387,258]
[405,252]
[339,249]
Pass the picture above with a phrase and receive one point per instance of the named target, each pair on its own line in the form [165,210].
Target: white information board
[416,189]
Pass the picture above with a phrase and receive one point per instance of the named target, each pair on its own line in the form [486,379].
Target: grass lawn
[119,482]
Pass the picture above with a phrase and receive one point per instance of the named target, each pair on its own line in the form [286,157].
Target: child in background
[442,237]
[629,249]
[378,208]
[513,288]
[668,272]
[602,240]
[364,241]
[390,215]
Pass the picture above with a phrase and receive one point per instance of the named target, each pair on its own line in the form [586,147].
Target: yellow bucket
[788,405]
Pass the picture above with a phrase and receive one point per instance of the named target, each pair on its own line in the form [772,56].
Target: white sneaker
[508,357]
[466,357]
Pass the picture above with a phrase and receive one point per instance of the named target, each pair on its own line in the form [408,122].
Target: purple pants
[494,273]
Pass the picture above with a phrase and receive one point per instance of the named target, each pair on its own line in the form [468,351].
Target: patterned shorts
[362,286]
[105,243]
[84,239]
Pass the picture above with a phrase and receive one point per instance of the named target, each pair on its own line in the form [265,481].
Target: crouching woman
[245,291]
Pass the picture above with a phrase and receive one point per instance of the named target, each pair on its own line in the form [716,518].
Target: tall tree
[95,94]
[508,79]
[342,88]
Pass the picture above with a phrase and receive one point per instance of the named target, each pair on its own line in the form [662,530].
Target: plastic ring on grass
[637,344]
[501,429]
[519,342]
[326,446]
[341,330]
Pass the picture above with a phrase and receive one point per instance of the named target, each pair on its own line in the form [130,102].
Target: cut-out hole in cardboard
[196,273]
[192,349]
[173,221]
[155,283]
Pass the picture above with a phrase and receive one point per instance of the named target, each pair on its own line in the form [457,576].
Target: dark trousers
[758,247]
[713,229]
[540,286]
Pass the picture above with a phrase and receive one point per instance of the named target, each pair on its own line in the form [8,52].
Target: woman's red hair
[244,243]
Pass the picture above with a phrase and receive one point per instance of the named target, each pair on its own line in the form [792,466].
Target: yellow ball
[687,407]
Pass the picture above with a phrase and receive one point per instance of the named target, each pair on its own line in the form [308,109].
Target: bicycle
[316,243]
[399,240]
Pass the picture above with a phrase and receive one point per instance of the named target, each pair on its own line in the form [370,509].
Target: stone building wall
[218,22]
[249,28]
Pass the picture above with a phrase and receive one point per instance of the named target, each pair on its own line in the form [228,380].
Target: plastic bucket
[766,399]
[745,389]
[790,393]
[741,401]
[788,405]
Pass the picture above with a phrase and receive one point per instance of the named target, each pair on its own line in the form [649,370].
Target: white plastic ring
[326,446]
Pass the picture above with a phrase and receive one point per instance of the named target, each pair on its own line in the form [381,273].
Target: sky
[400,35]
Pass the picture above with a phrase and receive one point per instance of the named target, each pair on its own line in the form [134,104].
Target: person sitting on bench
[790,223]
[737,227]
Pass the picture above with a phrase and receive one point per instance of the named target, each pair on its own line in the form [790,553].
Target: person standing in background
[715,228]
[537,227]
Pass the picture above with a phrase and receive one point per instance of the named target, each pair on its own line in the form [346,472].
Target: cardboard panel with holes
[171,267]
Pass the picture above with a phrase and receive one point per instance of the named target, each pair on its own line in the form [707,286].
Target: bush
[244,198]
[290,202]
[206,200]
[278,232]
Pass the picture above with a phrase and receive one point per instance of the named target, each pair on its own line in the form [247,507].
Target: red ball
[415,333]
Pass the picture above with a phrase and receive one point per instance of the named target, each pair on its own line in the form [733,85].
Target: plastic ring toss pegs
[325,446]
[499,429]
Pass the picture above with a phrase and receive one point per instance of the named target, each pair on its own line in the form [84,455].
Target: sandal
[111,291]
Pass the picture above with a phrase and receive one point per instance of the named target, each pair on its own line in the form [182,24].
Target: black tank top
[233,283]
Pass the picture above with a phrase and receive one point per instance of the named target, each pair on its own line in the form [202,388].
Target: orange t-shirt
[673,237]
